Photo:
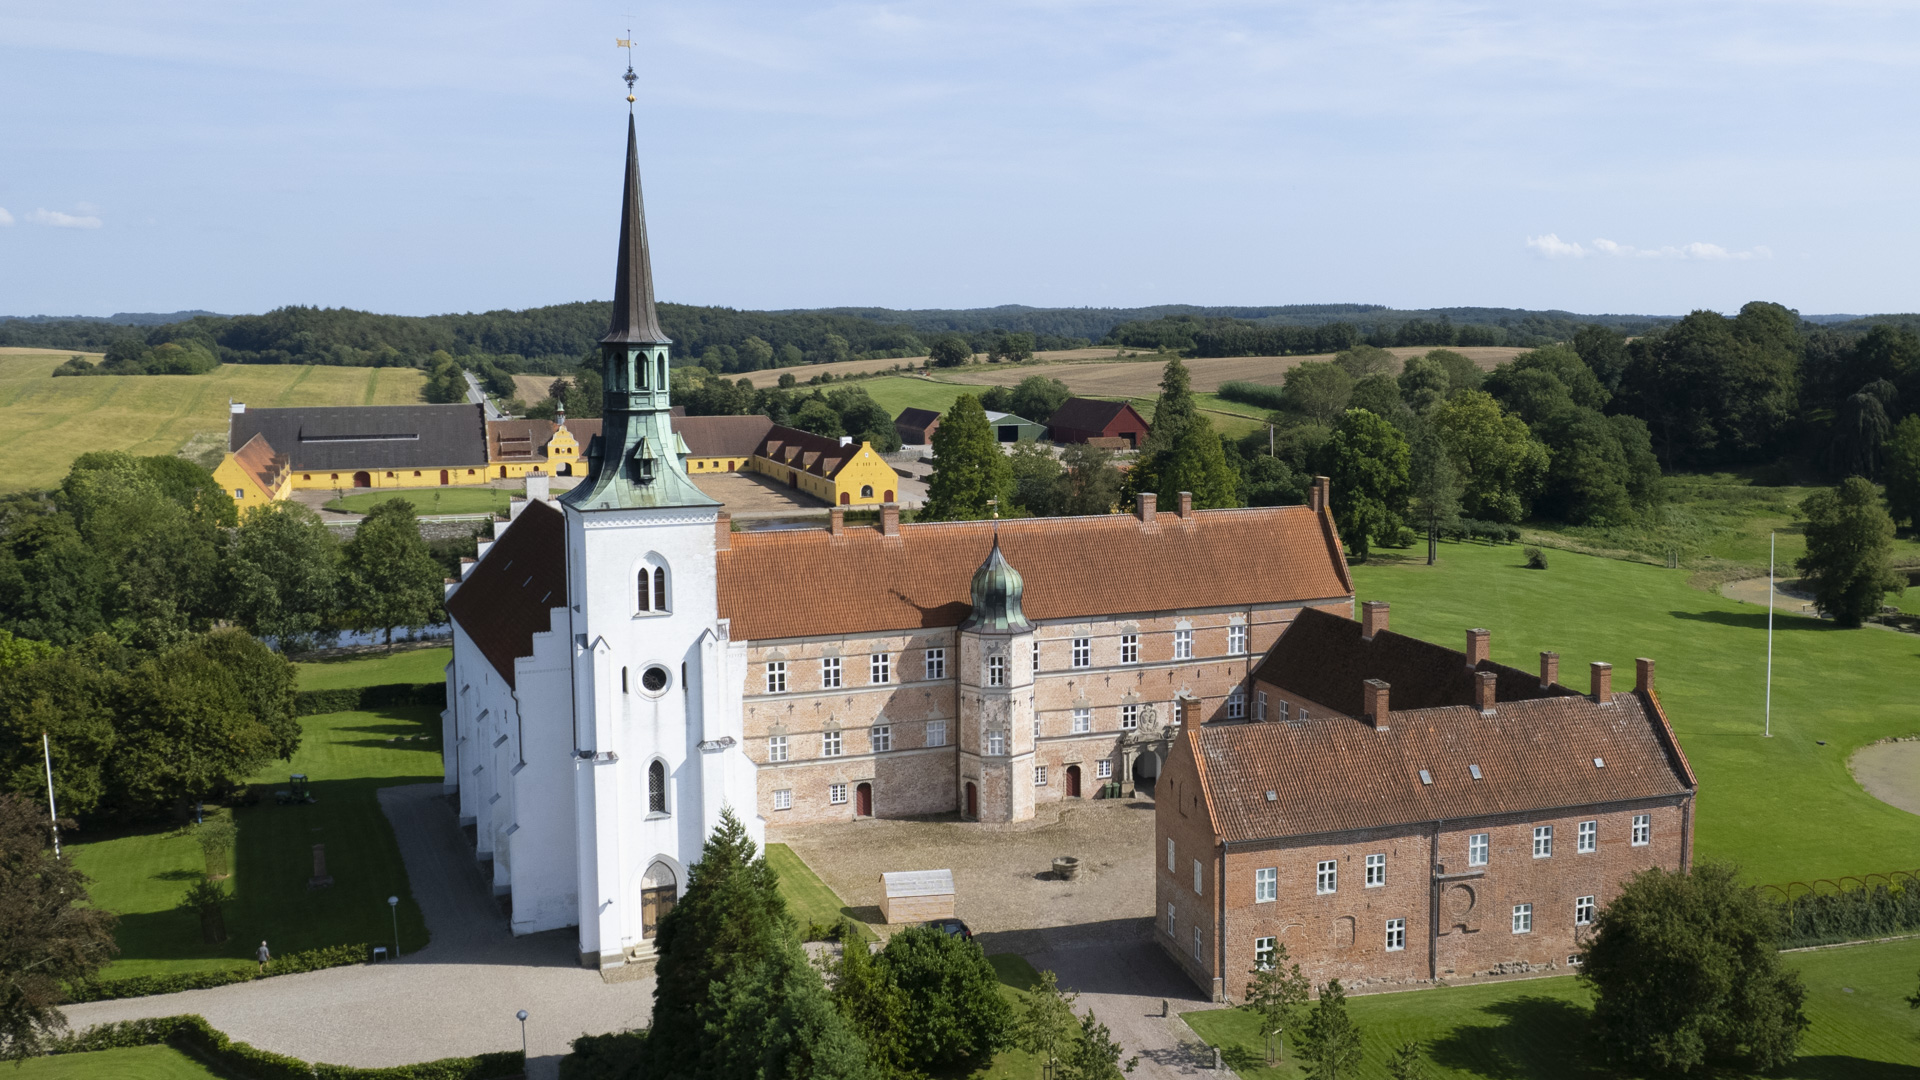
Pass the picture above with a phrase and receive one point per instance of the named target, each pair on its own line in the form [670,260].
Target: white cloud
[43,216]
[5,218]
[1553,247]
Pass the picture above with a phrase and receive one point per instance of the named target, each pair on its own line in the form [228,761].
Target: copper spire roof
[634,321]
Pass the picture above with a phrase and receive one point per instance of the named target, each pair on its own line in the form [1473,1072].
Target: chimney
[1189,712]
[1483,690]
[1373,695]
[837,521]
[1373,618]
[890,519]
[1603,682]
[1549,669]
[1479,647]
[1147,500]
[235,408]
[539,486]
[723,532]
[1186,504]
[1318,496]
[846,440]
[1643,675]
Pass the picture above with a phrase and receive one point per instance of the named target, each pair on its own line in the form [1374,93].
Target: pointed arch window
[651,592]
[657,788]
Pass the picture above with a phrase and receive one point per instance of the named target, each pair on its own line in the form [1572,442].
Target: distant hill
[121,318]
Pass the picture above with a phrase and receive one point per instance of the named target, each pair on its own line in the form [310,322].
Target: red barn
[1079,419]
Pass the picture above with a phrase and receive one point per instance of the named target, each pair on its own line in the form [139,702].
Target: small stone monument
[320,879]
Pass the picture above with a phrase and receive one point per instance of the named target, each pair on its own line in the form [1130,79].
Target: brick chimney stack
[1602,682]
[1483,684]
[723,532]
[1189,712]
[890,519]
[1318,496]
[1374,693]
[1643,675]
[1479,647]
[1147,501]
[837,522]
[1549,669]
[1373,618]
[1186,504]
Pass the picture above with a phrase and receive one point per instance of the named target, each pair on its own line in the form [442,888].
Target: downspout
[1686,833]
[1433,908]
[1220,934]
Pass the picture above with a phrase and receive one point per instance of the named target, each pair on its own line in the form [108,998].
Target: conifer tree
[1328,1043]
[1182,452]
[969,469]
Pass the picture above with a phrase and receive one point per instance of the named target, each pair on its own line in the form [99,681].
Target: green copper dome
[996,597]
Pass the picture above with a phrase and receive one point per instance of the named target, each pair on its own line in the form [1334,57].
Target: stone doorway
[658,890]
[1146,769]
[1073,781]
[863,800]
[973,802]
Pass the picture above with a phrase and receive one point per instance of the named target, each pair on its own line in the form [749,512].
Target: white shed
[913,896]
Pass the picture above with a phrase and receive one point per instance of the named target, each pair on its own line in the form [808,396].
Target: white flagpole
[1770,549]
[46,749]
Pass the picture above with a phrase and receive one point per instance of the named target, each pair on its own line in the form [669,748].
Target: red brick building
[1078,420]
[1396,812]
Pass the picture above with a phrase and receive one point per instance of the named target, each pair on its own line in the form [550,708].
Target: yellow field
[45,423]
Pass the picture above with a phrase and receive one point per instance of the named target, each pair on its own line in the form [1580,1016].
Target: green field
[409,666]
[348,756]
[131,1063]
[896,392]
[1784,808]
[1861,1027]
[45,423]
[433,500]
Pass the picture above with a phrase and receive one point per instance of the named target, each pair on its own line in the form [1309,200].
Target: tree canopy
[970,472]
[53,935]
[1849,559]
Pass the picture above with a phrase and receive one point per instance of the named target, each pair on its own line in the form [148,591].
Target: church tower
[657,752]
[996,697]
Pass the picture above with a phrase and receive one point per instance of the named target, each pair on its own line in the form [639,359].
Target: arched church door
[657,893]
[973,801]
[1073,781]
[863,800]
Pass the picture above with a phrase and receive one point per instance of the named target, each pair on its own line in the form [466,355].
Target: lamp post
[393,905]
[522,1014]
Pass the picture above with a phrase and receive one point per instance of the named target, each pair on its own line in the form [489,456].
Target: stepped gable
[509,596]
[346,438]
[1325,659]
[807,583]
[1336,774]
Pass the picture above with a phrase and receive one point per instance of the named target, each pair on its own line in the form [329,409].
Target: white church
[626,666]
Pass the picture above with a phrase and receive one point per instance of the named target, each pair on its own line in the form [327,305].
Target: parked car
[952,928]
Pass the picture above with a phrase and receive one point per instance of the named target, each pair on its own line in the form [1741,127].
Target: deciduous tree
[1276,994]
[1367,463]
[1501,465]
[392,579]
[950,350]
[1046,1023]
[953,1008]
[1328,1044]
[282,572]
[52,934]
[1849,559]
[1317,391]
[1903,472]
[199,717]
[1408,1063]
[1096,1056]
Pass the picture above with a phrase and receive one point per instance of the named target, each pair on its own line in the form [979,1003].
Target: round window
[654,679]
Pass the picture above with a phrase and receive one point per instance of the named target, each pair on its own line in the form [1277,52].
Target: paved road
[1124,979]
[478,396]
[457,996]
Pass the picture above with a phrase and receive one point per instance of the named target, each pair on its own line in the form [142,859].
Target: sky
[421,157]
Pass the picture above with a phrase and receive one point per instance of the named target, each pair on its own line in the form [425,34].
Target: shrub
[1536,559]
[954,1010]
[288,964]
[1253,393]
[355,698]
[196,1037]
[613,1056]
[1852,915]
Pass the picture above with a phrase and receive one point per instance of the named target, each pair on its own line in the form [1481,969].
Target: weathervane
[627,44]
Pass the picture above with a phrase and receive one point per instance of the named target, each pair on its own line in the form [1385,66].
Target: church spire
[634,321]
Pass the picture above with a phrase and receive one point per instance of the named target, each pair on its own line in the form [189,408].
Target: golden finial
[627,44]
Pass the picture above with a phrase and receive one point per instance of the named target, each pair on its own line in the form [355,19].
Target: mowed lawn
[130,1063]
[347,757]
[378,669]
[45,422]
[1860,1025]
[433,500]
[1784,808]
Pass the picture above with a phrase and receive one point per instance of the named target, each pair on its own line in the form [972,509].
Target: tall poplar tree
[969,469]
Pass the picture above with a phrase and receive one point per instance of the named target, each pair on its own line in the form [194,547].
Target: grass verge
[432,500]
[808,898]
[127,1063]
[406,666]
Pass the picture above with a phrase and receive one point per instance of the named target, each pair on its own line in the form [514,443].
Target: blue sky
[418,157]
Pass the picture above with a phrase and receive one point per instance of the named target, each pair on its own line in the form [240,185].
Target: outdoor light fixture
[522,1014]
[393,904]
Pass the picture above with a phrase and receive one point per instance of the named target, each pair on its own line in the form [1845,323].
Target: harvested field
[532,389]
[1141,377]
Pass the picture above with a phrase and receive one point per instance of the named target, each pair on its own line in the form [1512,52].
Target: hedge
[614,1056]
[1852,915]
[1265,395]
[289,964]
[355,698]
[193,1035]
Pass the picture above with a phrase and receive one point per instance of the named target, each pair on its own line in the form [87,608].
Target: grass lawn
[431,500]
[130,1063]
[1861,1027]
[1784,808]
[409,666]
[896,392]
[45,423]
[143,875]
[809,898]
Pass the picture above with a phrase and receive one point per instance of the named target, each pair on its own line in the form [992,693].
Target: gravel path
[457,996]
[1124,978]
[1890,771]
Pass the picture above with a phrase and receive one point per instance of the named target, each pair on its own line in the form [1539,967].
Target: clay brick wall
[1179,818]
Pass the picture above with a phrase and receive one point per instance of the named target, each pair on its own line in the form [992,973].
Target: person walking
[264,956]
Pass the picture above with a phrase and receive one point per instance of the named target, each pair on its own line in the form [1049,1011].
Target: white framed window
[1477,849]
[783,799]
[882,738]
[837,794]
[1396,935]
[1523,918]
[936,663]
[1542,841]
[1082,721]
[1129,648]
[1642,830]
[777,748]
[830,673]
[1286,708]
[1283,712]
[1583,911]
[1237,704]
[996,744]
[1169,854]
[1260,705]
[1170,920]
[879,668]
[830,744]
[776,676]
[1199,876]
[1129,717]
[1183,644]
[936,733]
[1039,776]
[1237,638]
[1263,952]
[1103,770]
[1266,884]
[1589,838]
[1376,871]
[1082,652]
[1326,877]
[1199,953]
[996,671]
